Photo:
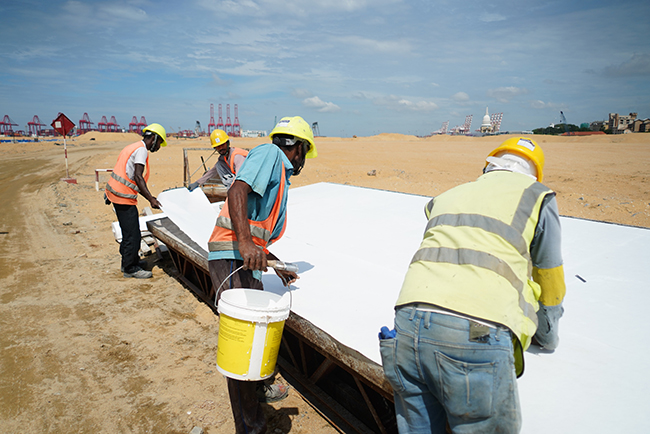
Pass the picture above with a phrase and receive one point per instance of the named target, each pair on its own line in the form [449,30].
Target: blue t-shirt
[262,171]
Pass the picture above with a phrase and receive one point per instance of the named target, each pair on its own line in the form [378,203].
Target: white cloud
[320,105]
[122,11]
[290,7]
[490,18]
[375,45]
[460,97]
[403,104]
[539,104]
[108,11]
[637,66]
[505,94]
[301,93]
[216,80]
[254,68]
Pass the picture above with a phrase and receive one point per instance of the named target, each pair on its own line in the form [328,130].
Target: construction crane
[563,120]
[35,126]
[315,130]
[197,129]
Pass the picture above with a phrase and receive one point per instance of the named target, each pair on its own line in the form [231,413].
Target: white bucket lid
[253,305]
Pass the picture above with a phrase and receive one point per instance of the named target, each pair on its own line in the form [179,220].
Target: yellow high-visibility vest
[475,255]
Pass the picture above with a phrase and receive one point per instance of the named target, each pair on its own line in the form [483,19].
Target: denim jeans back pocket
[467,388]
[388,360]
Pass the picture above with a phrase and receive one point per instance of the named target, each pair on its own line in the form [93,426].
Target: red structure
[220,124]
[236,128]
[35,126]
[228,126]
[112,125]
[211,125]
[133,125]
[141,124]
[5,126]
[85,124]
[102,125]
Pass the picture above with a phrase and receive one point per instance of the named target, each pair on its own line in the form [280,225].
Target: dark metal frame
[346,387]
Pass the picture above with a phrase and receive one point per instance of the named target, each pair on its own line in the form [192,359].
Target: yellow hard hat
[524,147]
[297,127]
[218,138]
[158,129]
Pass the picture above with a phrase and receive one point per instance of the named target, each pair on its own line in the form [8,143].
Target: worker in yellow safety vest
[230,160]
[486,282]
[253,217]
[128,179]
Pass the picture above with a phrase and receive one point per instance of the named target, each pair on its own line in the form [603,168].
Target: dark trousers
[246,409]
[127,216]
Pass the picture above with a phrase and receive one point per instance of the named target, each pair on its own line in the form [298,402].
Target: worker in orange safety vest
[128,179]
[230,160]
[252,219]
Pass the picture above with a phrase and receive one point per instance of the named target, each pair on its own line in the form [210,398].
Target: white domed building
[486,125]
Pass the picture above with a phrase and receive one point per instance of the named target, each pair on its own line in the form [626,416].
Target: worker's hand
[193,186]
[287,277]
[154,203]
[254,257]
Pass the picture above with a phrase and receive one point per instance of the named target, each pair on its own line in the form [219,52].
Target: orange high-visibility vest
[120,188]
[233,152]
[223,236]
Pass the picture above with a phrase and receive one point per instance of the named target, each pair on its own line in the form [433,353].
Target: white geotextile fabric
[353,246]
[190,211]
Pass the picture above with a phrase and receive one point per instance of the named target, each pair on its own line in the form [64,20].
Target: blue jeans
[440,376]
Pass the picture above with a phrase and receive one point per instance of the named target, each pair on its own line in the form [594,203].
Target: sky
[356,67]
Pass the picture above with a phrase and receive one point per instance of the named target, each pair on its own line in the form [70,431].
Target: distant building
[486,125]
[640,126]
[253,133]
[597,125]
[620,124]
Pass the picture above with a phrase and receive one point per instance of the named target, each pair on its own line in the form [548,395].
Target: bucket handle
[216,296]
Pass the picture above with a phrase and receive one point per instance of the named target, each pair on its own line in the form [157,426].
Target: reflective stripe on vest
[475,258]
[224,238]
[120,189]
[478,259]
[513,232]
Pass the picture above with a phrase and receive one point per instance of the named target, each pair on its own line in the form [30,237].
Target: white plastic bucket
[250,331]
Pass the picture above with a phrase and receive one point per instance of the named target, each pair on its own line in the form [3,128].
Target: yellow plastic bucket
[250,331]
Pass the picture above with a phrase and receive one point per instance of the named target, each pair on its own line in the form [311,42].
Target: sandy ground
[83,349]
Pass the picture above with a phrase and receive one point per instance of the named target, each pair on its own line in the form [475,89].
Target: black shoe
[141,264]
[272,393]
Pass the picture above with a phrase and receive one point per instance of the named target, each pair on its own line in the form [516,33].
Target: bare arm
[142,186]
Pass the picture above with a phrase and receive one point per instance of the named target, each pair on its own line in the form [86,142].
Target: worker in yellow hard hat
[254,217]
[485,283]
[230,160]
[128,179]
